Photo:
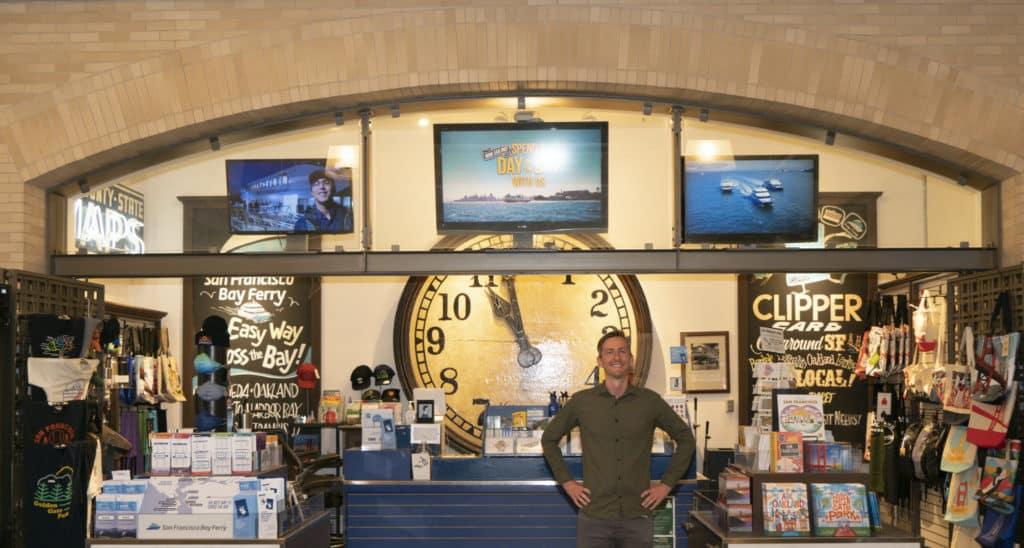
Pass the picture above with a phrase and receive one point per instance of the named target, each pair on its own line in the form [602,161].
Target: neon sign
[110,220]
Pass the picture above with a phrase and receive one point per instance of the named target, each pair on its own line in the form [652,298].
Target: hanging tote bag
[989,421]
[962,503]
[995,488]
[927,321]
[958,454]
[956,402]
[996,355]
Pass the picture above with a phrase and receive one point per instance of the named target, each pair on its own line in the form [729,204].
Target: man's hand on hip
[579,494]
[651,498]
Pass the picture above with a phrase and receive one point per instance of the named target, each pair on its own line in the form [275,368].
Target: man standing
[325,215]
[617,422]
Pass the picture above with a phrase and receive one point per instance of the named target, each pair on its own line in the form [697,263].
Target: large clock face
[513,339]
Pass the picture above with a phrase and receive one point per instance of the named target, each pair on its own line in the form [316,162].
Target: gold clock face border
[405,318]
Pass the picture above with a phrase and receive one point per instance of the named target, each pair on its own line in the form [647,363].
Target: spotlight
[521,103]
[83,185]
[648,108]
[830,137]
[215,143]
[395,112]
[704,115]
[339,118]
[962,179]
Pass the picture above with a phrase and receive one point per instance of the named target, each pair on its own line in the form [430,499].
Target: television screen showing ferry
[521,177]
[750,199]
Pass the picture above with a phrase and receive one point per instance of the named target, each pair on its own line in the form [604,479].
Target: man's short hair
[610,335]
[319,174]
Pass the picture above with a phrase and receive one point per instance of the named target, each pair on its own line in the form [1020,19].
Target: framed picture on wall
[707,370]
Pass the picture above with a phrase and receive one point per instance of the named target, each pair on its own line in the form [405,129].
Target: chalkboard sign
[822,324]
[823,318]
[269,319]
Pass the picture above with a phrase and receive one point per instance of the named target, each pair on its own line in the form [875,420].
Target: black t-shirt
[56,337]
[54,426]
[56,482]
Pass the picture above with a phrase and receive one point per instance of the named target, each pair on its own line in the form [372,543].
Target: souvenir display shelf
[704,529]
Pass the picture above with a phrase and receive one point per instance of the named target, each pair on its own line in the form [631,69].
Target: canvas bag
[956,402]
[998,528]
[996,355]
[996,486]
[962,504]
[927,321]
[958,454]
[989,421]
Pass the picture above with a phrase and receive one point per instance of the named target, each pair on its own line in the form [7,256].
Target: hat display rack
[212,404]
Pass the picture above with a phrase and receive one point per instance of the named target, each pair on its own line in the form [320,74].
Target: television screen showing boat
[521,177]
[750,199]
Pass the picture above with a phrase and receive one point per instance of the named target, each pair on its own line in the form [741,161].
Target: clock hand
[529,355]
[509,311]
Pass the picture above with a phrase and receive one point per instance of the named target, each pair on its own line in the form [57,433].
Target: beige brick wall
[88,83]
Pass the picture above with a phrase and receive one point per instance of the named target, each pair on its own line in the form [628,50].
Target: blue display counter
[471,502]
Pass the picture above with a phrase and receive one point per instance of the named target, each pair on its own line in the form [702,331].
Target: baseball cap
[371,395]
[217,328]
[391,394]
[361,377]
[206,421]
[383,374]
[204,364]
[202,337]
[210,391]
[307,375]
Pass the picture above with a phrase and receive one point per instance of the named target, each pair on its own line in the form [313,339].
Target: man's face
[615,358]
[322,189]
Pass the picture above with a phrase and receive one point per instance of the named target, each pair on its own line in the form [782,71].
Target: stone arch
[260,77]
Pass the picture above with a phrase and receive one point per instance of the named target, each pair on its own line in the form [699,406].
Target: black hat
[391,394]
[202,337]
[361,377]
[383,374]
[371,395]
[318,174]
[217,328]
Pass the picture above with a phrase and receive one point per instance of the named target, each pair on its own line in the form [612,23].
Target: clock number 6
[448,376]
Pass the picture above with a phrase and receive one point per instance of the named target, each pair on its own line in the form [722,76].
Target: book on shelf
[840,510]
[787,452]
[821,456]
[786,510]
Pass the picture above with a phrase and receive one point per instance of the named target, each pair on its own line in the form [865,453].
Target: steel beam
[404,263]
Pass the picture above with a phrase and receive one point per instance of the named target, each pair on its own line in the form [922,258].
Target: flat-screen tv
[521,177]
[289,196]
[750,199]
